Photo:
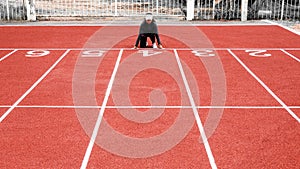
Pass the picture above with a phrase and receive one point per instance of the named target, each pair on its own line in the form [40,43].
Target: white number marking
[258,53]
[148,52]
[204,53]
[93,53]
[37,53]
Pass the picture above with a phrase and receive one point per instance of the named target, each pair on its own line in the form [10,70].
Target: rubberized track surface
[57,82]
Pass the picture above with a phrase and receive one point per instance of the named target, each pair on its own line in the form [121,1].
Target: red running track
[253,137]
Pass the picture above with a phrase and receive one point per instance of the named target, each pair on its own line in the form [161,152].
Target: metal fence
[257,9]
[218,9]
[203,9]
[107,7]
[274,9]
[12,9]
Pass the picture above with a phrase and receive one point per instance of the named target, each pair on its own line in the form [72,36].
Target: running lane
[277,70]
[57,137]
[223,76]
[21,70]
[42,138]
[256,138]
[80,79]
[153,136]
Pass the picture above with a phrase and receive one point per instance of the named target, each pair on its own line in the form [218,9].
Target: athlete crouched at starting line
[148,28]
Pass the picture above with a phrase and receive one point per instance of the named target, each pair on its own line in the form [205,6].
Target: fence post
[30,10]
[156,7]
[190,10]
[7,9]
[244,10]
[116,7]
[282,10]
[214,8]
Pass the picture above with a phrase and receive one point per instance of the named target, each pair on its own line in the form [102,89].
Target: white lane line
[149,107]
[101,113]
[197,117]
[33,86]
[290,55]
[4,57]
[266,87]
[118,49]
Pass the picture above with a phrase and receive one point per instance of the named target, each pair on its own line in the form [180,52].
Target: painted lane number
[37,53]
[93,53]
[204,53]
[258,53]
[147,53]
